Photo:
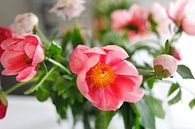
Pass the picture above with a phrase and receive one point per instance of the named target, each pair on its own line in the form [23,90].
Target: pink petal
[188,25]
[26,74]
[125,68]
[115,48]
[30,50]
[104,100]
[33,39]
[38,56]
[14,61]
[115,56]
[120,18]
[78,59]
[95,50]
[6,44]
[124,85]
[134,96]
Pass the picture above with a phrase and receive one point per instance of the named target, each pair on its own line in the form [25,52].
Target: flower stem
[42,36]
[59,65]
[17,86]
[41,82]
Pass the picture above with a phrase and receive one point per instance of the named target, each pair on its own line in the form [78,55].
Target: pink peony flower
[5,33]
[133,21]
[24,23]
[3,106]
[182,12]
[105,78]
[21,56]
[158,14]
[165,65]
[68,8]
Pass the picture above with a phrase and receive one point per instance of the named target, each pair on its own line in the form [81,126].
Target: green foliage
[103,119]
[192,103]
[55,49]
[42,94]
[174,87]
[176,99]
[185,72]
[155,106]
[147,117]
[76,37]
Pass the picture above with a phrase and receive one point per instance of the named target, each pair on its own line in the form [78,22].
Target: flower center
[101,75]
[27,59]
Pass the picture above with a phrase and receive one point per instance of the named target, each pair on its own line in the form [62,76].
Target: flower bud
[3,105]
[24,23]
[165,66]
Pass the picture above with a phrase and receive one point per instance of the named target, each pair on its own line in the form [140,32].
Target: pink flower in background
[5,33]
[133,21]
[165,65]
[157,14]
[104,76]
[21,56]
[182,12]
[175,53]
[24,23]
[68,9]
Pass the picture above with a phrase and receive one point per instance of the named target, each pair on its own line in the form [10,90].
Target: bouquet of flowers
[110,71]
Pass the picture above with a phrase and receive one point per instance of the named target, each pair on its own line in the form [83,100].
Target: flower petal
[188,25]
[95,50]
[38,56]
[30,50]
[78,59]
[134,96]
[26,74]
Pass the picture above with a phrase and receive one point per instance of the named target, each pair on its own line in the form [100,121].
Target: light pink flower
[105,78]
[5,33]
[133,21]
[68,9]
[24,23]
[165,65]
[158,14]
[182,12]
[21,56]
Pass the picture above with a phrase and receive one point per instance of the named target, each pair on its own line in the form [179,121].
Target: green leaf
[185,72]
[147,117]
[42,94]
[192,103]
[173,88]
[76,37]
[55,49]
[167,47]
[175,99]
[103,119]
[128,116]
[155,106]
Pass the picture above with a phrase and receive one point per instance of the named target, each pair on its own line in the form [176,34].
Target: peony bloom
[21,56]
[157,14]
[133,21]
[182,12]
[5,33]
[24,23]
[68,9]
[165,66]
[3,106]
[105,78]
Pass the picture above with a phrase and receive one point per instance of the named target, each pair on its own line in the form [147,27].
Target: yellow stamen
[101,75]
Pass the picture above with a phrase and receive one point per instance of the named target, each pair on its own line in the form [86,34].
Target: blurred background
[25,112]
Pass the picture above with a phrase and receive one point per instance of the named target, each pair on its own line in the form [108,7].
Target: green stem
[41,82]
[59,65]
[17,86]
[42,36]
